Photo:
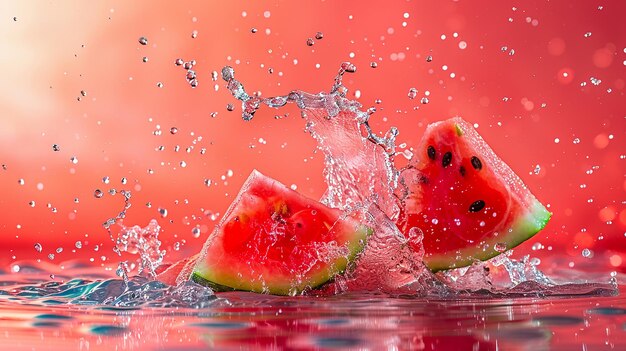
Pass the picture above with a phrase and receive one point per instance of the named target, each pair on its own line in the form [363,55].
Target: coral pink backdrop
[544,82]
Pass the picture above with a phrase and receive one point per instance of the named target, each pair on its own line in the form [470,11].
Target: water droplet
[106,180]
[310,42]
[74,159]
[230,107]
[587,35]
[429,58]
[587,253]
[56,147]
[38,247]
[194,34]
[595,81]
[59,249]
[179,62]
[32,203]
[143,41]
[319,35]
[424,100]
[163,212]
[124,181]
[160,85]
[79,245]
[412,93]
[195,232]
[20,181]
[537,169]
[144,59]
[51,256]
[98,193]
[193,83]
[500,247]
[173,130]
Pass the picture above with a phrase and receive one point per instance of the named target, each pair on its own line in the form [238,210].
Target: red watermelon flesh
[276,241]
[467,202]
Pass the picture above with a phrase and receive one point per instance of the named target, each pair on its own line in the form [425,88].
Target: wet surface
[248,321]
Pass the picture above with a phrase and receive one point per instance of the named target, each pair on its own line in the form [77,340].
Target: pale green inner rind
[522,229]
[228,280]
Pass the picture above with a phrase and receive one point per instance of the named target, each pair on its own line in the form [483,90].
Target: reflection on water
[100,314]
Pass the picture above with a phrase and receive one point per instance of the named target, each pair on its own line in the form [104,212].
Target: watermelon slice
[274,240]
[467,202]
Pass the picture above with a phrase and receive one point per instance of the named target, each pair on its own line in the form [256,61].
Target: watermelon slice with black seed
[466,201]
[274,240]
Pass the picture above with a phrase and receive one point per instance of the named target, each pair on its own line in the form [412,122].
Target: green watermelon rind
[227,282]
[521,230]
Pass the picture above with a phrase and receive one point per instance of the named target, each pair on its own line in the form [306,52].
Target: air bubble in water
[38,247]
[163,212]
[587,253]
[98,193]
[143,41]
[79,245]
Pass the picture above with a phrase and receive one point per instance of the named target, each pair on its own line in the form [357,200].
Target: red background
[519,78]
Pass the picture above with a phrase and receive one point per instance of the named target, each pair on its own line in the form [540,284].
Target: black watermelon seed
[447,159]
[477,206]
[431,152]
[462,171]
[476,163]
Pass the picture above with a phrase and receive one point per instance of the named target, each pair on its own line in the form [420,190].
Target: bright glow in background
[521,71]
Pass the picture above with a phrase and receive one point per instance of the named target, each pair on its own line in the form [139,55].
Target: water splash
[361,176]
[135,240]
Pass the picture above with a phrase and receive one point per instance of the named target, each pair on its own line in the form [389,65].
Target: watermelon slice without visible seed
[276,241]
[467,202]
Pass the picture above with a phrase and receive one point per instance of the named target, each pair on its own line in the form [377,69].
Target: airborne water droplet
[500,247]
